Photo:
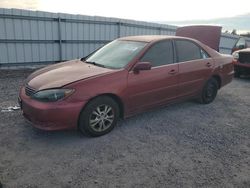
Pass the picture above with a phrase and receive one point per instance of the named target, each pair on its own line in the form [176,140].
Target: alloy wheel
[101,118]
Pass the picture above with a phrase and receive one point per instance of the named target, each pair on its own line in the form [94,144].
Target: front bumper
[50,116]
[242,67]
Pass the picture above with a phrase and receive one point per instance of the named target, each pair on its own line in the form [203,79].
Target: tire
[237,73]
[99,117]
[209,91]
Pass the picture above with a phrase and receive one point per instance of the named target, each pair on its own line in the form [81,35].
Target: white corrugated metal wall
[35,37]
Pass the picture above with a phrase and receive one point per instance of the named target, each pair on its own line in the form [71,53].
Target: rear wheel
[209,91]
[99,116]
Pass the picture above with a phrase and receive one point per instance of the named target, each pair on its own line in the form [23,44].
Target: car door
[195,67]
[157,85]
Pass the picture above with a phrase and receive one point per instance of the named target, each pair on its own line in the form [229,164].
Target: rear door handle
[172,72]
[208,64]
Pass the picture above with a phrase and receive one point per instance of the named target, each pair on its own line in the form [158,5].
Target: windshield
[116,54]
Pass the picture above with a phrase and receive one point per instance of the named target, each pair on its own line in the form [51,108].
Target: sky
[144,10]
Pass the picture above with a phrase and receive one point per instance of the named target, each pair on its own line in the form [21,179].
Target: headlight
[236,55]
[52,95]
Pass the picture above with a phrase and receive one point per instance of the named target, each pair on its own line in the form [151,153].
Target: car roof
[155,38]
[151,38]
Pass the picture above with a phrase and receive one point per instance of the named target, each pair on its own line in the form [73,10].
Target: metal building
[35,37]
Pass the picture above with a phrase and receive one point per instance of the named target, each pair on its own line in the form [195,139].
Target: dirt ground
[182,145]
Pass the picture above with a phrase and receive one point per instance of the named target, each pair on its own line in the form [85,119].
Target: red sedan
[125,77]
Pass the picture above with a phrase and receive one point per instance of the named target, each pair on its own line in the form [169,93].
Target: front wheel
[237,73]
[209,91]
[99,116]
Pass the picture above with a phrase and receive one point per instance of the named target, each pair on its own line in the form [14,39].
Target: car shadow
[158,112]
[53,136]
[124,127]
[243,78]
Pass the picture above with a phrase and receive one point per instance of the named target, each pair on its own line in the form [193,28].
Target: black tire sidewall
[83,123]
[206,100]
[236,72]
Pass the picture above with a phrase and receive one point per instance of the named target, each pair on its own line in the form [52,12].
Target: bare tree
[234,32]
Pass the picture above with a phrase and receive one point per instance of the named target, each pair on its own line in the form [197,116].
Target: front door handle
[172,72]
[208,64]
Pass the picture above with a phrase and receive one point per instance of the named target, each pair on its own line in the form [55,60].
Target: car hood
[58,75]
[247,50]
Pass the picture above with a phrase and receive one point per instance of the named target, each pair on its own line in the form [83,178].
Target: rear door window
[160,54]
[187,51]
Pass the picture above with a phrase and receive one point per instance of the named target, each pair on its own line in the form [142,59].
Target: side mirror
[142,66]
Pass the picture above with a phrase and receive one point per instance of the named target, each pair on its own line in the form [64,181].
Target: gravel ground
[182,145]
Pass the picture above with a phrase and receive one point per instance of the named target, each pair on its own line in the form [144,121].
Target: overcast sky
[145,10]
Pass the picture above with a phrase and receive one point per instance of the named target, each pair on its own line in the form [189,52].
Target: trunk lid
[209,35]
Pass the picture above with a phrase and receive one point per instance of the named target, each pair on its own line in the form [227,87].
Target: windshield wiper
[94,63]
